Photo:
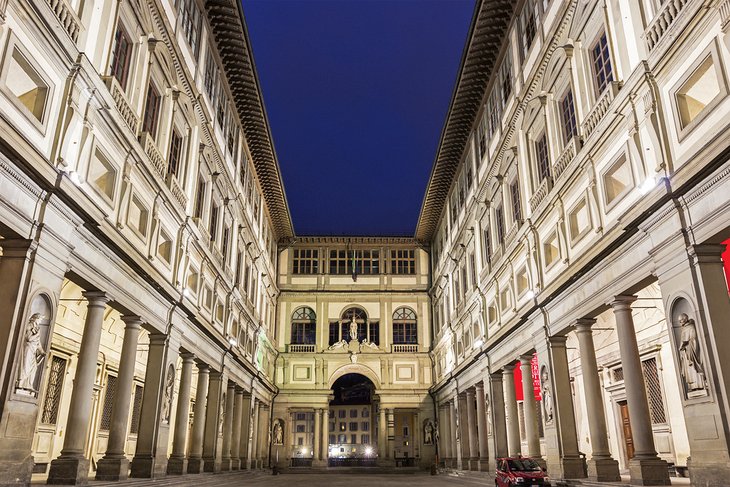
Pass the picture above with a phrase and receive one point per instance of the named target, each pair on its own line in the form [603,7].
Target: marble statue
[689,355]
[547,395]
[428,433]
[367,343]
[338,345]
[488,406]
[353,329]
[33,354]
[278,432]
[436,432]
[222,414]
[167,399]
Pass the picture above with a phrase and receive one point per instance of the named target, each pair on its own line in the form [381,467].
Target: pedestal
[112,469]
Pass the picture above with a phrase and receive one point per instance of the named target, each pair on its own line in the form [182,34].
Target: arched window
[366,329]
[303,327]
[405,329]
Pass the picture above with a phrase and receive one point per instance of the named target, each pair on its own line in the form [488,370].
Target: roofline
[246,89]
[490,21]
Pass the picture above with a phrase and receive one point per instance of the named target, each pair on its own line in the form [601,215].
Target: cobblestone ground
[346,479]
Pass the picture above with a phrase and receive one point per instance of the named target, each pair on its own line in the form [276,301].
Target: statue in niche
[428,431]
[167,398]
[436,432]
[547,395]
[278,432]
[33,354]
[689,356]
[353,329]
[222,414]
[488,406]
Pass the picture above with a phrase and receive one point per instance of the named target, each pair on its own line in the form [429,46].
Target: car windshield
[524,465]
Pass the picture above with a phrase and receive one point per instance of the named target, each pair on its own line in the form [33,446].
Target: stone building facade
[563,297]
[577,212]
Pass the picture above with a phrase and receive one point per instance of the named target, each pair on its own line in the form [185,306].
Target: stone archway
[351,424]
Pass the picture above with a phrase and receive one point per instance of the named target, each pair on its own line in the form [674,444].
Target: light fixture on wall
[478,343]
[74,177]
[648,184]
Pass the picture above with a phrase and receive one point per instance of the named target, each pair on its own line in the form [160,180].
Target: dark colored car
[519,472]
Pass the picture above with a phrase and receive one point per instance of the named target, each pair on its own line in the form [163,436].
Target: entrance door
[626,426]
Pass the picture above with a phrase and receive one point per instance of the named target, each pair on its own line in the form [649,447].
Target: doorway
[351,423]
[626,428]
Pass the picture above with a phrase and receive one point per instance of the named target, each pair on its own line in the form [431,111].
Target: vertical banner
[535,377]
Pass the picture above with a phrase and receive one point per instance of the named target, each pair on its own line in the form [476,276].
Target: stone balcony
[404,348]
[599,110]
[300,348]
[122,103]
[153,152]
[67,17]
[663,21]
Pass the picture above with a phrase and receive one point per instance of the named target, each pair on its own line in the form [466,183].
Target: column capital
[17,247]
[187,357]
[479,386]
[132,322]
[622,302]
[240,391]
[508,369]
[96,298]
[496,376]
[469,392]
[158,338]
[584,325]
[558,341]
[526,359]
[707,253]
[203,368]
[231,385]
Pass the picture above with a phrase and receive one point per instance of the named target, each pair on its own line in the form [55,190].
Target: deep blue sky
[357,93]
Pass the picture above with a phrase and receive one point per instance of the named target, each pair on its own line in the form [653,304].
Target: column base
[651,471]
[472,464]
[226,465]
[69,471]
[573,468]
[147,468]
[235,464]
[603,470]
[211,465]
[195,465]
[112,468]
[177,466]
[16,473]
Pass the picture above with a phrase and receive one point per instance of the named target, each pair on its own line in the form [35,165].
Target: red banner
[535,379]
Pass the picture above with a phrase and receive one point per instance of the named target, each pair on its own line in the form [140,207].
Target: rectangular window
[301,429]
[173,158]
[602,69]
[516,202]
[334,335]
[365,439]
[506,78]
[106,410]
[473,269]
[303,333]
[543,162]
[499,213]
[567,113]
[405,333]
[213,226]
[306,261]
[374,332]
[151,110]
[528,26]
[654,391]
[121,56]
[353,426]
[54,389]
[199,199]
[210,80]
[341,413]
[367,262]
[365,426]
[487,243]
[221,111]
[353,439]
[224,246]
[402,261]
[482,131]
[464,281]
[190,22]
[136,409]
[339,263]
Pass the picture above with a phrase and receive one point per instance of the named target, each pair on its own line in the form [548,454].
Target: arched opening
[352,422]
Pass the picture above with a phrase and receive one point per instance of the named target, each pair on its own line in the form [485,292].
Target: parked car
[519,472]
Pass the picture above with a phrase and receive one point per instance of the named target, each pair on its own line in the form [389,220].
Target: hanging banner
[535,378]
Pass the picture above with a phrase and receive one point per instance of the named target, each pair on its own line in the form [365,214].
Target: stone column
[497,409]
[236,426]
[382,436]
[178,464]
[482,429]
[316,440]
[195,460]
[454,434]
[212,447]
[115,465]
[464,453]
[563,458]
[646,468]
[71,467]
[150,459]
[228,427]
[255,435]
[529,405]
[601,466]
[471,427]
[514,443]
[445,434]
[390,414]
[264,436]
[245,431]
[325,434]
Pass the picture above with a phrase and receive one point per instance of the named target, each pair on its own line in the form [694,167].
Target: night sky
[357,93]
